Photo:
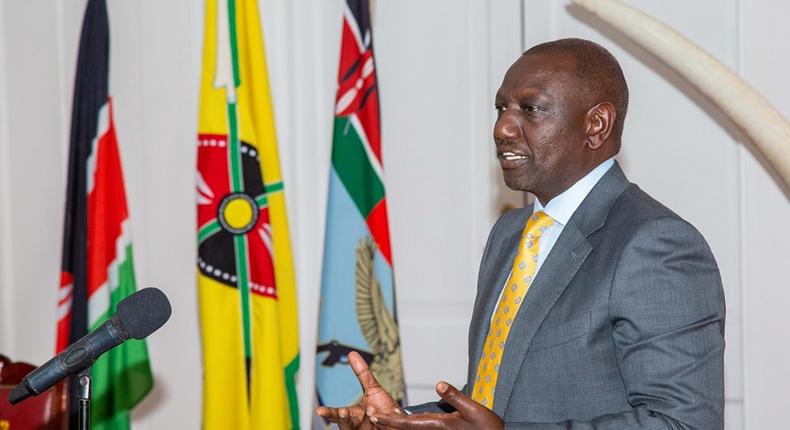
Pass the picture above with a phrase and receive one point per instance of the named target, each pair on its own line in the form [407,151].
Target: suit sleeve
[667,312]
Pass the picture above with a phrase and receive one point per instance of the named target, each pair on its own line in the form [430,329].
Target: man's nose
[507,126]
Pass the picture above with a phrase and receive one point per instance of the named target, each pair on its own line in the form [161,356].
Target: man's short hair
[598,69]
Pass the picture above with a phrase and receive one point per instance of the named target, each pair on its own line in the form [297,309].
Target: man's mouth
[511,156]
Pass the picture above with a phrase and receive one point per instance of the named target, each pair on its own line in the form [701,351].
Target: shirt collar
[561,208]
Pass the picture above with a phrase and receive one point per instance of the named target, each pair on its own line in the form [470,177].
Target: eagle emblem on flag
[377,324]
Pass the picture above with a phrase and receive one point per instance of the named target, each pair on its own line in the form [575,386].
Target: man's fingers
[344,423]
[394,421]
[409,422]
[326,412]
[329,413]
[361,369]
[347,417]
[460,401]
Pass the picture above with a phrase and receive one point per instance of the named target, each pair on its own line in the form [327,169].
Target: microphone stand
[84,398]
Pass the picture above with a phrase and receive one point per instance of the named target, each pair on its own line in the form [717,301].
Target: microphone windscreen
[143,312]
[18,394]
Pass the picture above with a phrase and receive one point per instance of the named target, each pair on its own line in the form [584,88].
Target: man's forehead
[538,71]
[559,60]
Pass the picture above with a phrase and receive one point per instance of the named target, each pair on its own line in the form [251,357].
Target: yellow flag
[246,286]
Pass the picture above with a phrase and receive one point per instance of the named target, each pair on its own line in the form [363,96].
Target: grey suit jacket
[623,327]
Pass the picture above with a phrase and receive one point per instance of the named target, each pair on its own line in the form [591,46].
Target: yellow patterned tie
[516,288]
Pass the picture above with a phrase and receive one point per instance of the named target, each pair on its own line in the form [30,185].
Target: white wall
[765,231]
[439,64]
[31,165]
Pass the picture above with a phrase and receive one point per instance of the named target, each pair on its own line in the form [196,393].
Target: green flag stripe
[273,187]
[350,161]
[240,242]
[235,156]
[290,387]
[234,42]
[122,376]
[262,200]
[208,230]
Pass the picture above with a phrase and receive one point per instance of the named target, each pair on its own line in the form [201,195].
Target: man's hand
[374,400]
[468,415]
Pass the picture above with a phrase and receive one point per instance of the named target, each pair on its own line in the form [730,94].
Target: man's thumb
[463,404]
[361,369]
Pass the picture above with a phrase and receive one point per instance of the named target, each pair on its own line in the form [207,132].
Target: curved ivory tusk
[744,106]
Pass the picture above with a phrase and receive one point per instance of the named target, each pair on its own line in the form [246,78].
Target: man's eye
[530,108]
[499,108]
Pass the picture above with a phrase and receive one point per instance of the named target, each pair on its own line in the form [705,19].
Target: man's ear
[600,121]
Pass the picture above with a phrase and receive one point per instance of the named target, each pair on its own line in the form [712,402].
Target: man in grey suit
[622,325]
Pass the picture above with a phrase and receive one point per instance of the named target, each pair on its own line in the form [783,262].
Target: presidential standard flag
[246,287]
[357,291]
[97,269]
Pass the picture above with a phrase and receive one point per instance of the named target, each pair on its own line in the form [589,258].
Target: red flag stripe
[107,227]
[351,22]
[379,229]
[357,84]
[64,311]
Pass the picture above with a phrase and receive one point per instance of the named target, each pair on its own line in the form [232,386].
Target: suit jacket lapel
[561,265]
[564,260]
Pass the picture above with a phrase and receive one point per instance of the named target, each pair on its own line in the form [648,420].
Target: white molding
[764,239]
[310,59]
[740,412]
[63,85]
[7,335]
[480,146]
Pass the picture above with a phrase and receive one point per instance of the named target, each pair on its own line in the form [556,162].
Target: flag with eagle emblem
[246,286]
[357,291]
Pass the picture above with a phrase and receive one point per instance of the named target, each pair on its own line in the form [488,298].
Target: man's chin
[516,182]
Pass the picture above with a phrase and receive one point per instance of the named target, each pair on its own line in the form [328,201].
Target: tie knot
[538,223]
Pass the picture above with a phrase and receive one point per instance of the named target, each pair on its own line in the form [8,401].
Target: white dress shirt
[560,209]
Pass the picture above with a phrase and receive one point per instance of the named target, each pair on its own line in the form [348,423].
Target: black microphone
[137,316]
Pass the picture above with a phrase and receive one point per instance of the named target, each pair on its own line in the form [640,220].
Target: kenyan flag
[97,271]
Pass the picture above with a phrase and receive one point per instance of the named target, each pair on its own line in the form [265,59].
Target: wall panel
[6,297]
[437,80]
[32,199]
[765,212]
